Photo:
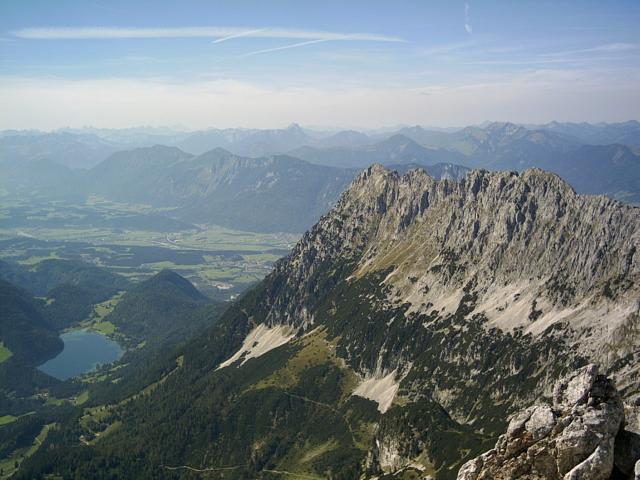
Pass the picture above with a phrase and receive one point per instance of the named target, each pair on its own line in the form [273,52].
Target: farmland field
[136,242]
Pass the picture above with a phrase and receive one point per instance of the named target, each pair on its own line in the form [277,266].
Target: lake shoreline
[85,350]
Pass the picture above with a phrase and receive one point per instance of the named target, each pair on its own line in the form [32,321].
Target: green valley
[219,261]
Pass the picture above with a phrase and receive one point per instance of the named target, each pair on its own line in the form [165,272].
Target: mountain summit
[529,249]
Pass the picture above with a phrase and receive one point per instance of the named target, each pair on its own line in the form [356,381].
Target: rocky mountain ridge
[594,159]
[277,193]
[581,435]
[532,252]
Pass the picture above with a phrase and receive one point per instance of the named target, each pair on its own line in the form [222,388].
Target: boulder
[575,438]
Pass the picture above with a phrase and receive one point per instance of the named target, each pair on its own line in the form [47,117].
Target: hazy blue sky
[351,64]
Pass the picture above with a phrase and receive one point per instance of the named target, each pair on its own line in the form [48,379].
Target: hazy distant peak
[217,152]
[159,152]
[505,128]
[295,127]
[346,138]
[399,138]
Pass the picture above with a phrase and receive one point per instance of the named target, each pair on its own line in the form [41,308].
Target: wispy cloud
[246,33]
[285,47]
[467,19]
[444,48]
[524,61]
[217,32]
[534,97]
[606,48]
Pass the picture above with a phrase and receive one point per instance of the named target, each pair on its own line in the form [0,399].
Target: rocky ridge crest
[535,254]
[580,436]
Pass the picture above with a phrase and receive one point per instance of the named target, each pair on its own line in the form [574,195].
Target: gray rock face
[575,389]
[627,452]
[573,439]
[535,254]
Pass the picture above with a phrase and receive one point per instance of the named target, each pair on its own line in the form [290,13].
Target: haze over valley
[347,241]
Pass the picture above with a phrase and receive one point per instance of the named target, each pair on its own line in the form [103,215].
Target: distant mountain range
[284,179]
[627,133]
[85,147]
[267,194]
[249,142]
[395,150]
[277,193]
[595,169]
[69,149]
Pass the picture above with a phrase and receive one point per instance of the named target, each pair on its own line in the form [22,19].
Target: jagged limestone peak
[533,253]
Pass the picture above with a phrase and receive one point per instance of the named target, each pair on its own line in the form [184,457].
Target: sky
[349,64]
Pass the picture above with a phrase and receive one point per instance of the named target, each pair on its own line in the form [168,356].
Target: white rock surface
[259,341]
[381,390]
[573,439]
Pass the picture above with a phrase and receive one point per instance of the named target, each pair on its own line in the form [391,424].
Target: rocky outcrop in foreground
[579,437]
